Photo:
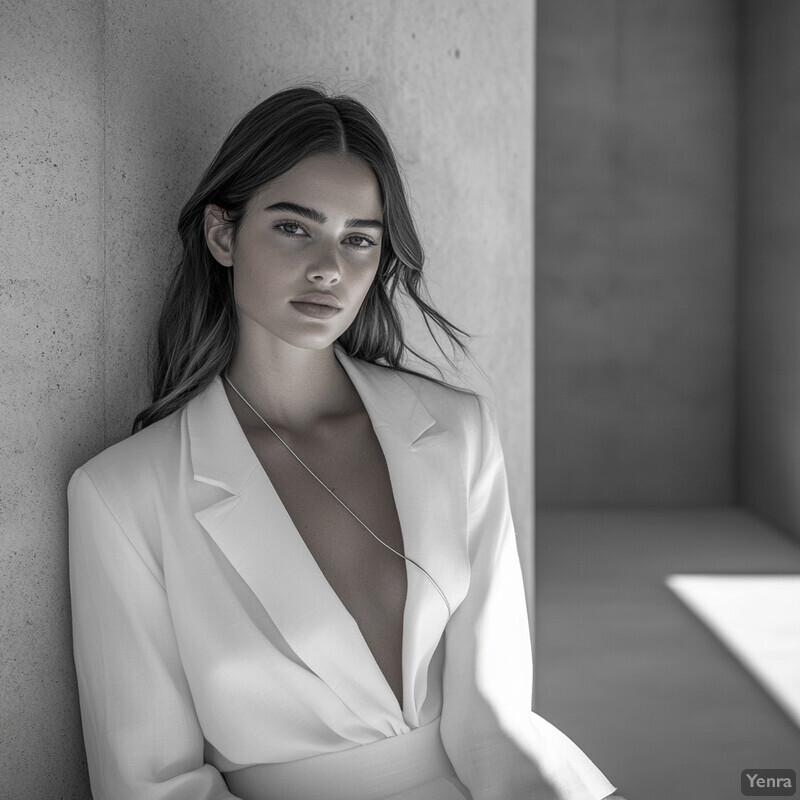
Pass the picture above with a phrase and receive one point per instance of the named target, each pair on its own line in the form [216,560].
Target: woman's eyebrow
[318,216]
[364,223]
[302,211]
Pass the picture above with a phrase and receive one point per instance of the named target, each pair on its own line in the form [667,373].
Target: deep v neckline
[424,465]
[317,571]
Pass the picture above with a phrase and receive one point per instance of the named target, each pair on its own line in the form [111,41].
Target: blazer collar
[254,532]
[222,457]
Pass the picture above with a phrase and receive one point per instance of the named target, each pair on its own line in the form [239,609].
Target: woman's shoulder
[121,494]
[454,407]
[141,459]
[437,393]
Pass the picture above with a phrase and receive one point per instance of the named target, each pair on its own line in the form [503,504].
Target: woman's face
[306,252]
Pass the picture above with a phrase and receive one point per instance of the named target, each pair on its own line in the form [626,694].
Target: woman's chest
[340,524]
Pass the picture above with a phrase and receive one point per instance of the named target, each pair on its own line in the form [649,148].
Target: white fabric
[412,764]
[207,639]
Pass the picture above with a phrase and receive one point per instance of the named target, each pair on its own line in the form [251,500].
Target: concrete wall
[635,252]
[770,266]
[111,111]
[51,372]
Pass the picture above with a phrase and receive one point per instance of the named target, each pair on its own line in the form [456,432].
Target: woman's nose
[324,267]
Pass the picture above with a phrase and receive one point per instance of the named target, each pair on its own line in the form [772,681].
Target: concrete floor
[628,672]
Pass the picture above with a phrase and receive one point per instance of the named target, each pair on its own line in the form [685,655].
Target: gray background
[110,112]
[636,252]
[667,375]
[668,255]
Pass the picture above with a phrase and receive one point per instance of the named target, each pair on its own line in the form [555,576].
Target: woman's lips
[315,310]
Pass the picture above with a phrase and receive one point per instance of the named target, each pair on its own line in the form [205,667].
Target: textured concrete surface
[770,264]
[110,112]
[51,380]
[635,252]
[623,667]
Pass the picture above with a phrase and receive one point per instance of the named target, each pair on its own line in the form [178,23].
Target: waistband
[379,769]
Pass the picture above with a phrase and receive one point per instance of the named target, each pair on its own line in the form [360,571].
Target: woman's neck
[292,388]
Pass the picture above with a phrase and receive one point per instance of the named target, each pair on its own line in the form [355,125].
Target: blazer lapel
[254,531]
[429,488]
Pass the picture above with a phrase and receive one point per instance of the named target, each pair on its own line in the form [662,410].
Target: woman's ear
[219,235]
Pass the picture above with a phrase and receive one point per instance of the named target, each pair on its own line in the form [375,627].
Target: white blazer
[206,638]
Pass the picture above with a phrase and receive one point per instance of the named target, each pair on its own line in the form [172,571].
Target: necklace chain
[335,496]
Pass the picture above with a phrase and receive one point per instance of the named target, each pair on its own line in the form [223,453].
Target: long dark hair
[198,326]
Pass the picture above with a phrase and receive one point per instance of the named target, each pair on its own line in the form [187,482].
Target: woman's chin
[321,340]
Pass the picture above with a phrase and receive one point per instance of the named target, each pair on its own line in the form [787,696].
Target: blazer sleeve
[141,733]
[499,748]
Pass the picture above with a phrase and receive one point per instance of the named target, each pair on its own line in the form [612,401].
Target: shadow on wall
[667,201]
[636,253]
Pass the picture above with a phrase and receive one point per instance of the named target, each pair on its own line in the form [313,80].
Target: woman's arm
[499,748]
[141,733]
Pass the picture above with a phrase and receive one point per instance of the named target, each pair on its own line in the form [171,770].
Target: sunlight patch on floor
[758,618]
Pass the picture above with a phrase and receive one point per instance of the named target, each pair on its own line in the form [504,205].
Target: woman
[299,578]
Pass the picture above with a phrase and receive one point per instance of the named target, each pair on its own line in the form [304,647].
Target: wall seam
[740,257]
[531,567]
[103,212]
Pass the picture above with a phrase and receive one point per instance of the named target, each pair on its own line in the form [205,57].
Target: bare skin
[285,366]
[369,580]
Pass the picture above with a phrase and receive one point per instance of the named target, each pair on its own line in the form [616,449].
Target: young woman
[299,578]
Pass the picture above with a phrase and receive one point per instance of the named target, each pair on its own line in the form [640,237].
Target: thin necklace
[335,496]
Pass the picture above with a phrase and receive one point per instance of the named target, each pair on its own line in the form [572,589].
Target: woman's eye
[290,229]
[361,242]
